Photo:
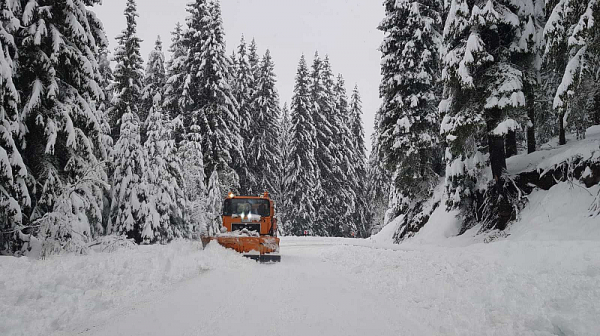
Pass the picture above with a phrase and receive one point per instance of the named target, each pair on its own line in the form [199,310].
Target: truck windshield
[241,206]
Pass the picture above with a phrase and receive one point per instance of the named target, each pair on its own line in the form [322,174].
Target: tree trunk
[497,156]
[511,144]
[597,108]
[496,144]
[562,139]
[501,208]
[530,94]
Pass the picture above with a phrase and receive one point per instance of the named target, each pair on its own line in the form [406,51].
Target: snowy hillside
[561,213]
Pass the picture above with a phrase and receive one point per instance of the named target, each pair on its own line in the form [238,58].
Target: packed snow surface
[531,283]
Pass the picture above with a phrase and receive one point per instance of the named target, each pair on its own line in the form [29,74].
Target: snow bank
[561,213]
[551,154]
[39,297]
[386,235]
[501,288]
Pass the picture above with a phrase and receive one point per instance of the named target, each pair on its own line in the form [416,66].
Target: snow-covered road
[303,295]
[333,287]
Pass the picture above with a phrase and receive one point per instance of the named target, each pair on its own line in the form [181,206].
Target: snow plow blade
[264,258]
[263,249]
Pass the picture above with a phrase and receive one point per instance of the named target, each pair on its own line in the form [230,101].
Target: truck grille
[248,226]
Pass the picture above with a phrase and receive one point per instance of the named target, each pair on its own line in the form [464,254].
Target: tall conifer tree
[410,89]
[128,73]
[483,102]
[154,80]
[361,214]
[343,179]
[301,171]
[14,194]
[211,101]
[263,151]
[244,88]
[164,182]
[59,84]
[284,143]
[129,211]
[174,98]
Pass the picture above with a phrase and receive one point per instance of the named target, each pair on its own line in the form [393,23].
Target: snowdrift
[39,297]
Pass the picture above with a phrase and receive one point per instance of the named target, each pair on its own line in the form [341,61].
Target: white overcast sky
[346,30]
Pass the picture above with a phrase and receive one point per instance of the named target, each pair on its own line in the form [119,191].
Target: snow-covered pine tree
[344,179]
[211,101]
[129,202]
[190,154]
[129,75]
[104,106]
[357,129]
[106,79]
[174,98]
[14,194]
[284,143]
[319,101]
[483,101]
[572,39]
[164,181]
[528,53]
[264,158]
[154,81]
[531,61]
[301,172]
[361,214]
[215,201]
[58,81]
[244,89]
[379,184]
[254,60]
[409,124]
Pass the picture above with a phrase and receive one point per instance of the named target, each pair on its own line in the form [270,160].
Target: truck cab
[252,214]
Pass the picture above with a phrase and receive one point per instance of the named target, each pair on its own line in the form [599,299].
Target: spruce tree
[301,171]
[128,72]
[59,85]
[211,101]
[379,184]
[361,214]
[263,152]
[190,155]
[174,98]
[154,80]
[105,104]
[14,194]
[344,177]
[106,79]
[357,128]
[284,143]
[244,89]
[483,102]
[408,129]
[129,206]
[253,60]
[319,101]
[215,201]
[165,182]
[572,41]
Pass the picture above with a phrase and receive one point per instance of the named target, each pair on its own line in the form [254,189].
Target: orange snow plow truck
[250,227]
